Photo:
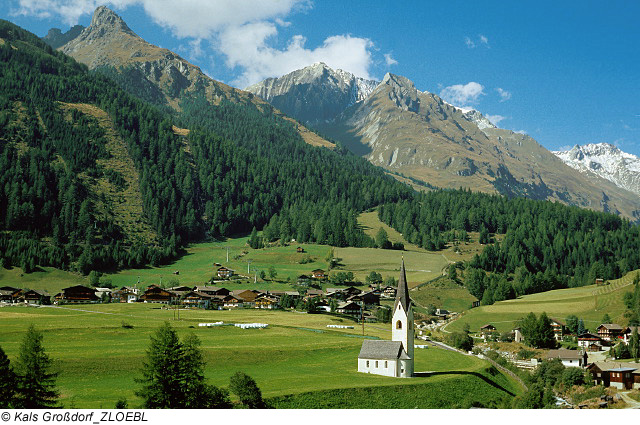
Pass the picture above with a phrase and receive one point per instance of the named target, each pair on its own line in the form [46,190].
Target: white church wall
[378,367]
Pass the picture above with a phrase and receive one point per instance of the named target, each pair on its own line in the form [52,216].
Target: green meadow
[589,303]
[98,359]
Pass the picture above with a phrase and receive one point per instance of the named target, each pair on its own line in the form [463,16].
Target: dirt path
[631,403]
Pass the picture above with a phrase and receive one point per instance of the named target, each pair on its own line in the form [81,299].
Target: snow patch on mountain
[606,161]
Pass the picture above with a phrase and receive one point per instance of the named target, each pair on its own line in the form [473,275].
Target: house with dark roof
[559,328]
[626,335]
[224,273]
[350,308]
[392,358]
[589,342]
[9,294]
[318,274]
[569,358]
[157,295]
[78,294]
[610,332]
[34,296]
[616,374]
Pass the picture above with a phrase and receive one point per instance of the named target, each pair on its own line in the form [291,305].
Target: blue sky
[564,72]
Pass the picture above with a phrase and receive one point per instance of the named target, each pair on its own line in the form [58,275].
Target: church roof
[402,295]
[382,350]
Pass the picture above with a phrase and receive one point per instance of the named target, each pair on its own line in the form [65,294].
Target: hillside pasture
[589,303]
[98,358]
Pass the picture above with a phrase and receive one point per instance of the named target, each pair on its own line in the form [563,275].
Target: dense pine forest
[241,168]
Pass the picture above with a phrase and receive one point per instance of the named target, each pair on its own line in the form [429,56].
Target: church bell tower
[402,322]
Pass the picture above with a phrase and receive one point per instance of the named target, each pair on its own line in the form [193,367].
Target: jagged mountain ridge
[55,38]
[109,42]
[419,135]
[315,93]
[607,161]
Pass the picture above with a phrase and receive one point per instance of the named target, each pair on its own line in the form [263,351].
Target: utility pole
[227,253]
[248,264]
[362,316]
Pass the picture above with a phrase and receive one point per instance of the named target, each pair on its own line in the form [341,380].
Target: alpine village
[316,240]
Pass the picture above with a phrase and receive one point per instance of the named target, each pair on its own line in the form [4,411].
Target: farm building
[487,330]
[350,308]
[313,293]
[610,332]
[77,294]
[267,301]
[156,294]
[212,290]
[126,294]
[369,298]
[517,335]
[628,332]
[388,292]
[392,358]
[224,273]
[616,374]
[231,301]
[33,296]
[9,294]
[569,358]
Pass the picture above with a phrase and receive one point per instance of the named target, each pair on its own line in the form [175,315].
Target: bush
[243,386]
[572,376]
[461,340]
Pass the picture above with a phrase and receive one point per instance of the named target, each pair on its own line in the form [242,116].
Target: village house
[388,292]
[77,294]
[369,298]
[247,296]
[231,301]
[589,342]
[487,331]
[9,294]
[126,294]
[303,279]
[441,312]
[318,274]
[610,332]
[351,291]
[224,273]
[267,301]
[313,293]
[33,296]
[350,308]
[569,358]
[101,292]
[335,293]
[156,294]
[623,376]
[559,328]
[197,299]
[517,335]
[392,358]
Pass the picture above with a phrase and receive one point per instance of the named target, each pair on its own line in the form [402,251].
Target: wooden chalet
[610,332]
[201,299]
[33,296]
[350,308]
[351,291]
[267,301]
[388,292]
[336,293]
[224,273]
[318,274]
[231,301]
[126,294]
[623,376]
[293,294]
[590,342]
[368,298]
[303,279]
[78,294]
[247,296]
[156,294]
[559,328]
[9,294]
[313,293]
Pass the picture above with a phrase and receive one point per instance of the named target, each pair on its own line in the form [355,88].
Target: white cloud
[462,95]
[520,132]
[495,119]
[389,60]
[504,95]
[244,31]
[469,43]
[484,40]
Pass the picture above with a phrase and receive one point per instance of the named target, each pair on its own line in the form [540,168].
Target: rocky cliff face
[55,38]
[314,94]
[109,42]
[606,161]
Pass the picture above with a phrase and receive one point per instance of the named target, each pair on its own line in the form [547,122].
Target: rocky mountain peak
[107,20]
[480,120]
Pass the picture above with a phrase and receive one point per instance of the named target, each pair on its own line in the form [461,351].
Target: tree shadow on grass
[456,372]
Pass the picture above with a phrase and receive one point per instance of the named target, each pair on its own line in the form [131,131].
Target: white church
[395,357]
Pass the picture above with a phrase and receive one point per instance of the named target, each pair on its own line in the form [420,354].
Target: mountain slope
[55,38]
[109,43]
[420,136]
[606,161]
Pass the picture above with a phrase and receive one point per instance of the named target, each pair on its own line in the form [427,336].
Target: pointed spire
[402,294]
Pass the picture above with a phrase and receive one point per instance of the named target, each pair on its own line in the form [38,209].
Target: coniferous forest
[241,168]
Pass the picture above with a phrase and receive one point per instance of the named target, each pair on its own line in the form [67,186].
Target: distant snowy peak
[316,93]
[606,161]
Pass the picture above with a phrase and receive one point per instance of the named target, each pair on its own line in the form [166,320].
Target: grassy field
[443,293]
[98,359]
[589,303]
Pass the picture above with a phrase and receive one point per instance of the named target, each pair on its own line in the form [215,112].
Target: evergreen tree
[606,318]
[581,329]
[634,345]
[7,382]
[35,386]
[545,332]
[246,389]
[572,324]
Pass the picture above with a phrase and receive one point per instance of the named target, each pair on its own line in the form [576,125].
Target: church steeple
[402,294]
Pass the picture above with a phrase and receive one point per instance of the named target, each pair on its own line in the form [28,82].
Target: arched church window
[399,324]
